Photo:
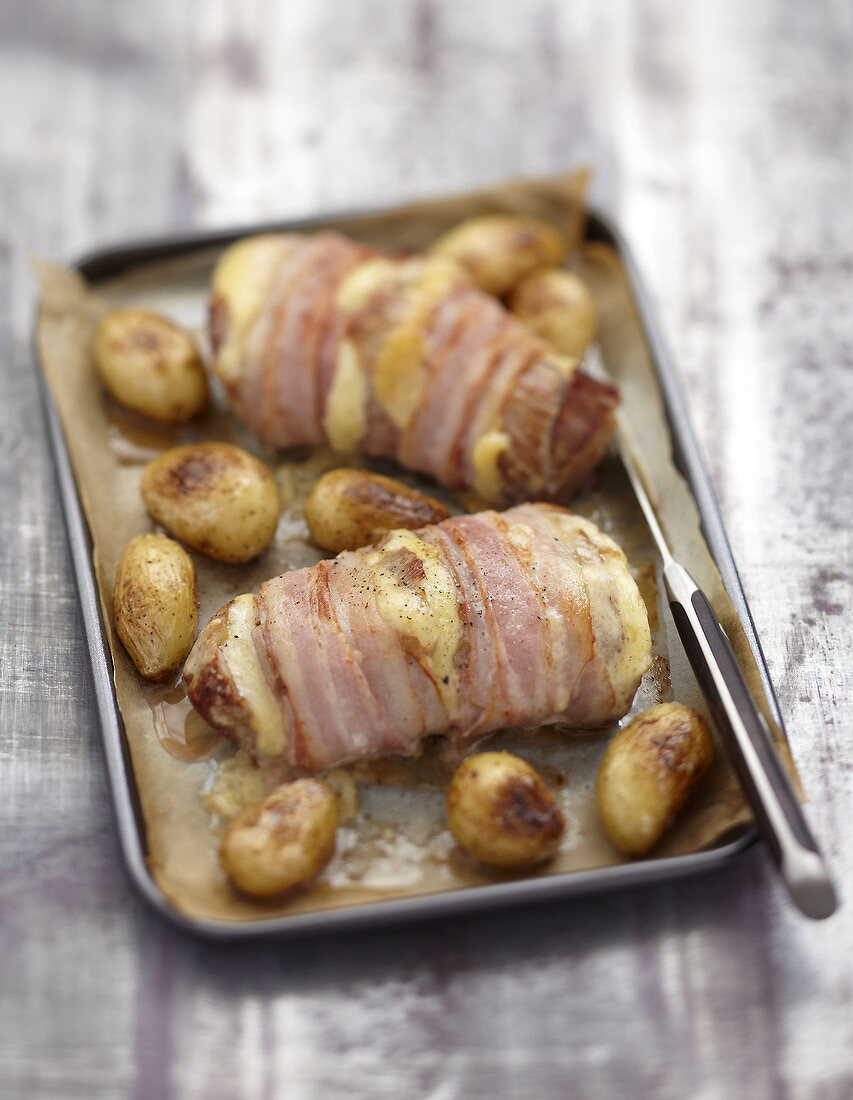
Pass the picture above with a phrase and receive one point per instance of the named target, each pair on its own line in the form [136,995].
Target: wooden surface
[723,141]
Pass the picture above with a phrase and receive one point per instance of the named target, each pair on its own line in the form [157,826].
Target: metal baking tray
[107,263]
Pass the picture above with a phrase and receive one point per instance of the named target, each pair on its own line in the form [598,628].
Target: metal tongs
[778,813]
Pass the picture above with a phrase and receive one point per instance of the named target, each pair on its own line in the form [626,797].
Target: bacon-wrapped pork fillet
[323,341]
[460,628]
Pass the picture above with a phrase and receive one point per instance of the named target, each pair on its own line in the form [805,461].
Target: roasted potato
[150,364]
[557,306]
[648,773]
[156,604]
[498,250]
[501,812]
[214,497]
[351,508]
[283,840]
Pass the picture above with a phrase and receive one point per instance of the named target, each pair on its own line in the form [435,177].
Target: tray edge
[109,260]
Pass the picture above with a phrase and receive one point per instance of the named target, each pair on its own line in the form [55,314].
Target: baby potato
[648,773]
[501,812]
[557,306]
[351,508]
[215,497]
[498,250]
[150,364]
[286,838]
[156,604]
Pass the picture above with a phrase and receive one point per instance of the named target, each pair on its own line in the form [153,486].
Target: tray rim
[108,261]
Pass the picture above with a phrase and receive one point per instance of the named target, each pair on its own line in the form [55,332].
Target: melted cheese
[359,286]
[237,785]
[488,479]
[345,416]
[401,371]
[243,278]
[342,782]
[400,374]
[238,651]
[427,612]
[620,621]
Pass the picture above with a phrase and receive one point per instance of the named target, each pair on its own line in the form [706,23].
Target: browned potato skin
[648,773]
[557,306]
[285,839]
[150,365]
[501,812]
[498,250]
[156,604]
[351,508]
[215,497]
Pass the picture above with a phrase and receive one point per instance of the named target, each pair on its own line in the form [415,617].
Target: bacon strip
[293,364]
[512,613]
[427,440]
[478,622]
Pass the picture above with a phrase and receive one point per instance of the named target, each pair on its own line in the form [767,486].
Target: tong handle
[778,812]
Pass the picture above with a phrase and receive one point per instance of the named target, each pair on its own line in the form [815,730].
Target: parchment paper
[398,844]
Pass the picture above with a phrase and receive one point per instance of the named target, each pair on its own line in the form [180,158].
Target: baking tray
[107,263]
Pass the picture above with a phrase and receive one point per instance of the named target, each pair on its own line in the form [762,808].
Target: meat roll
[320,340]
[478,622]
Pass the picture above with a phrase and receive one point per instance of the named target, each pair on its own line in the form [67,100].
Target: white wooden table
[722,135]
